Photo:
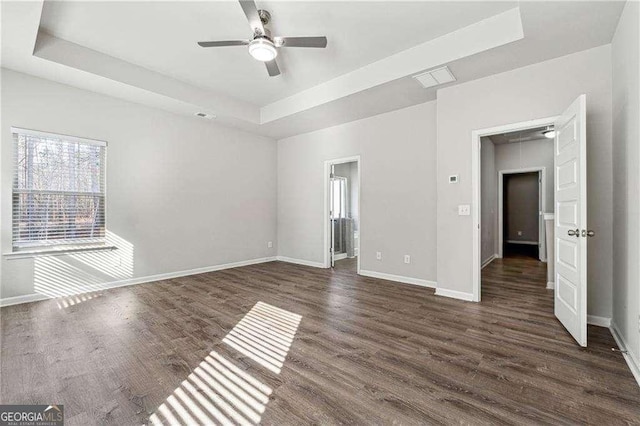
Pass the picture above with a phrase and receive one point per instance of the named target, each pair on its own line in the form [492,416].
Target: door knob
[574,232]
[588,233]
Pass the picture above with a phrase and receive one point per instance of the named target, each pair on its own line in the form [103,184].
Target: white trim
[69,138]
[489,260]
[542,207]
[469,297]
[551,285]
[634,364]
[27,298]
[475,187]
[57,251]
[399,278]
[599,321]
[140,280]
[326,179]
[340,256]
[300,262]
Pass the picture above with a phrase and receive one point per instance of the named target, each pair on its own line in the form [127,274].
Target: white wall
[181,193]
[626,179]
[489,205]
[398,190]
[354,205]
[540,90]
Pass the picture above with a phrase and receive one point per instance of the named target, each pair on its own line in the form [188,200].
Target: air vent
[205,115]
[435,77]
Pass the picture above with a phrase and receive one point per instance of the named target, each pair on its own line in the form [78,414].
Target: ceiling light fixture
[550,133]
[262,49]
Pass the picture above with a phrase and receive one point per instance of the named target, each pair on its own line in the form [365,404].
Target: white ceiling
[162,36]
[146,52]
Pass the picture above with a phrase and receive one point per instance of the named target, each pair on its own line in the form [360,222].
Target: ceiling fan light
[263,49]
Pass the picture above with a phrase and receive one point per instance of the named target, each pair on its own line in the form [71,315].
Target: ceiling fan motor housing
[265,16]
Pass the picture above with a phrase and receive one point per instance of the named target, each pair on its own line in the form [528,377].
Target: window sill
[22,254]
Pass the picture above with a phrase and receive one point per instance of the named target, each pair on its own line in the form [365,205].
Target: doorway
[522,203]
[513,196]
[342,213]
[569,201]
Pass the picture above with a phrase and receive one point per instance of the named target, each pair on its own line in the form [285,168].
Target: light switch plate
[464,210]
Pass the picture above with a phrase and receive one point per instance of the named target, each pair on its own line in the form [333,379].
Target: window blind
[58,189]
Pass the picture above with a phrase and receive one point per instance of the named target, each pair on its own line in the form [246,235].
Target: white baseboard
[454,294]
[27,298]
[34,297]
[340,256]
[300,262]
[551,285]
[398,278]
[489,260]
[599,321]
[634,364]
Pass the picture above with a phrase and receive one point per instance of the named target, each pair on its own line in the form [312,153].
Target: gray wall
[536,91]
[520,207]
[181,193]
[523,155]
[503,157]
[626,179]
[489,205]
[398,190]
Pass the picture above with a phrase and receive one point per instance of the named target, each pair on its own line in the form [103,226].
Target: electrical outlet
[378,255]
[464,210]
[270,244]
[407,258]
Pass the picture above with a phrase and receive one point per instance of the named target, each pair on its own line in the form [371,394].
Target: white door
[571,220]
[332,216]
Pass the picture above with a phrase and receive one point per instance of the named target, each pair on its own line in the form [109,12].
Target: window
[58,190]
[339,193]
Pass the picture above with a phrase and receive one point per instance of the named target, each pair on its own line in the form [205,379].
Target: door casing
[542,193]
[476,185]
[326,179]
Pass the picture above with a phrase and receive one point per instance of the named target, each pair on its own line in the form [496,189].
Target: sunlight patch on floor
[265,335]
[219,392]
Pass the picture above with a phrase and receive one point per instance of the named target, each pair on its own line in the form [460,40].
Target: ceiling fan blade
[223,43]
[272,68]
[251,12]
[301,41]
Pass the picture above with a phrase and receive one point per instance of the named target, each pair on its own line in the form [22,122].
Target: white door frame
[476,182]
[542,207]
[327,205]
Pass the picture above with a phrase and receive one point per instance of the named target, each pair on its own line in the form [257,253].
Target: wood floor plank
[366,351]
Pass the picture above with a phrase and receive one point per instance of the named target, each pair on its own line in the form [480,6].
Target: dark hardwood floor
[362,351]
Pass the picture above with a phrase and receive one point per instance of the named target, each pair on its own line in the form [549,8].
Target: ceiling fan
[262,46]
